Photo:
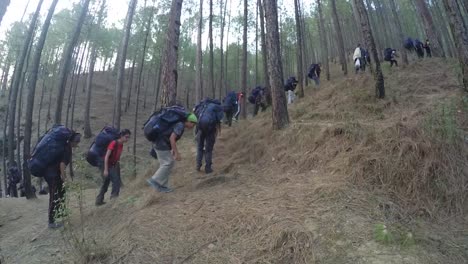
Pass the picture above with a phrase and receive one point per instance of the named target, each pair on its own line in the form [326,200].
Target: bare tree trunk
[210,36]
[264,53]
[339,38]
[130,84]
[299,47]
[400,31]
[3,8]
[460,35]
[199,74]
[30,101]
[16,83]
[80,68]
[244,57]
[323,39]
[275,70]
[66,60]
[369,38]
[89,81]
[429,27]
[223,22]
[169,62]
[121,65]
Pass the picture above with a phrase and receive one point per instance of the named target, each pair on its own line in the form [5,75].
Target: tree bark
[3,8]
[244,57]
[339,38]
[210,36]
[89,81]
[323,40]
[299,48]
[400,31]
[430,29]
[30,101]
[264,53]
[66,60]
[121,65]
[199,59]
[369,38]
[130,83]
[275,70]
[171,53]
[16,83]
[223,22]
[460,35]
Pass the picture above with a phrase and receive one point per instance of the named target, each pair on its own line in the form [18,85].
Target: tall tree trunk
[3,8]
[30,101]
[266,78]
[89,81]
[430,29]
[323,39]
[171,53]
[400,31]
[299,48]
[140,74]
[275,70]
[369,38]
[244,57]
[66,60]
[16,83]
[460,35]
[121,66]
[210,33]
[199,76]
[158,83]
[130,84]
[339,38]
[223,23]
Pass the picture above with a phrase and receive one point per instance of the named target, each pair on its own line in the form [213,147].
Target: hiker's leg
[114,176]
[59,197]
[166,163]
[52,190]
[200,147]
[210,141]
[103,190]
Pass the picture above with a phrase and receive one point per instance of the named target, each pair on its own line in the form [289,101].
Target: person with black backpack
[289,88]
[314,73]
[390,55]
[209,114]
[55,176]
[427,47]
[230,106]
[109,167]
[14,177]
[419,47]
[164,129]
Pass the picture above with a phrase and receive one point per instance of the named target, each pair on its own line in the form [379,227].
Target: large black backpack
[49,149]
[388,54]
[98,149]
[163,120]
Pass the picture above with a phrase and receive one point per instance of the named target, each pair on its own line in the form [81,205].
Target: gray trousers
[166,163]
[113,177]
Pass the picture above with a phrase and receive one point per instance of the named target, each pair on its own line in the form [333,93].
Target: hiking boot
[55,225]
[165,189]
[208,170]
[99,203]
[154,184]
[198,168]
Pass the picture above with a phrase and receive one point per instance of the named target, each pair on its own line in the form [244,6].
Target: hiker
[257,98]
[357,58]
[240,100]
[418,45]
[209,114]
[365,59]
[14,177]
[314,73]
[164,128]
[289,88]
[110,169]
[230,106]
[409,44]
[427,47]
[390,55]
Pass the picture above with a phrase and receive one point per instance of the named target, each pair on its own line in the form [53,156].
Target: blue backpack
[312,71]
[291,83]
[98,149]
[49,149]
[163,120]
[408,44]
[388,54]
[230,101]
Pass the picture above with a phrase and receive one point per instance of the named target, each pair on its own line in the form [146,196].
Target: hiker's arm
[175,152]
[63,174]
[106,163]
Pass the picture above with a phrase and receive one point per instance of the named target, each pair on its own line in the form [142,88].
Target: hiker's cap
[192,118]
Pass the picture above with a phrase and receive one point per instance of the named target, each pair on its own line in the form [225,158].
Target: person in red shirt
[110,172]
[240,97]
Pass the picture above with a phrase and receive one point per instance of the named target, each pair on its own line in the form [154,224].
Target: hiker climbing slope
[289,88]
[230,106]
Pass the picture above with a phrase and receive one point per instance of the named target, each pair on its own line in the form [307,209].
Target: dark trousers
[229,114]
[12,190]
[206,140]
[56,192]
[393,61]
[114,177]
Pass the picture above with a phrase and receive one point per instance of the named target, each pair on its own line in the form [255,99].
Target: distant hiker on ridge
[14,177]
[258,99]
[427,47]
[390,55]
[240,104]
[164,128]
[209,114]
[357,58]
[229,105]
[109,167]
[289,88]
